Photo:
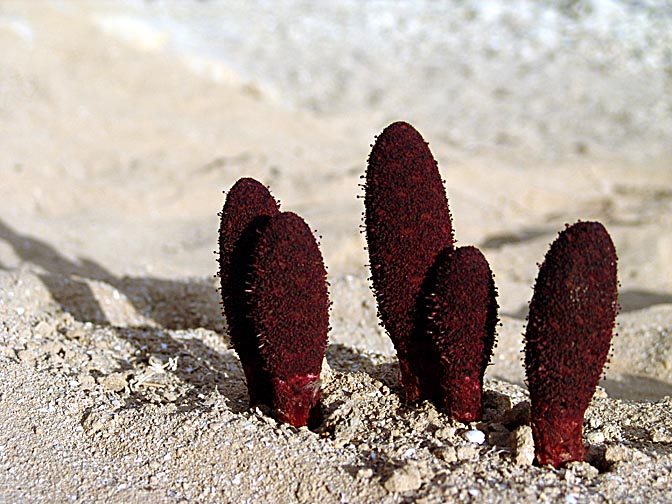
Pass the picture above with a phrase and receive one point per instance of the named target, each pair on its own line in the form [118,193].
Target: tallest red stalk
[408,224]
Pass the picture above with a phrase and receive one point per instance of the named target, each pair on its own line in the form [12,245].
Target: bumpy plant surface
[408,224]
[569,330]
[247,209]
[289,308]
[462,322]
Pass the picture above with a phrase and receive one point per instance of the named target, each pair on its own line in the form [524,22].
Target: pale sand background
[114,154]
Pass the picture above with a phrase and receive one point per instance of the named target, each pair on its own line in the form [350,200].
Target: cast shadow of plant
[201,367]
[170,304]
[345,359]
[631,387]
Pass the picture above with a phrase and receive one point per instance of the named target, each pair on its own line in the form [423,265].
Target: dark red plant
[567,340]
[289,308]
[247,209]
[407,224]
[462,321]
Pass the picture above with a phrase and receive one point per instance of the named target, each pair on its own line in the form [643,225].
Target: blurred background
[557,78]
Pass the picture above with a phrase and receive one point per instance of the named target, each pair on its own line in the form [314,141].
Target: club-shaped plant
[407,224]
[248,208]
[437,304]
[289,307]
[569,331]
[462,311]
[275,298]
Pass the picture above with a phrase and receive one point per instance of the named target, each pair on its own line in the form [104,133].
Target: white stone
[475,436]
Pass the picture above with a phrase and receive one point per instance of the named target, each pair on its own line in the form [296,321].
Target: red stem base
[296,401]
[557,437]
[462,398]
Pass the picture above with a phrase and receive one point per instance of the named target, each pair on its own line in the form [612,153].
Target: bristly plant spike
[568,335]
[463,318]
[289,307]
[247,209]
[407,224]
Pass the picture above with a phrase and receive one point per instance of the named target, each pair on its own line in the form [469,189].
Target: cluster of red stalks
[274,292]
[436,301]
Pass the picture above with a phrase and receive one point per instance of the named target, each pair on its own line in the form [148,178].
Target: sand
[117,382]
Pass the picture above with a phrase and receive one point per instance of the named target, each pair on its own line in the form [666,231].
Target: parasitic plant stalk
[568,335]
[289,308]
[462,314]
[247,209]
[408,224]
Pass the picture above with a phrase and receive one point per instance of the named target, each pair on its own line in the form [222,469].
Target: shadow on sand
[171,304]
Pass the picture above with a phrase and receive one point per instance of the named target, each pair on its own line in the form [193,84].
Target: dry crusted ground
[137,411]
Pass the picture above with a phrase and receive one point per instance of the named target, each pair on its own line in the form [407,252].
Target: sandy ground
[117,382]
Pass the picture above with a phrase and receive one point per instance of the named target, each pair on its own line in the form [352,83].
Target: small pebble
[616,453]
[403,479]
[475,436]
[365,473]
[114,382]
[409,453]
[444,432]
[522,445]
[516,416]
[596,437]
[580,471]
[447,454]
[468,452]
[600,393]
[661,435]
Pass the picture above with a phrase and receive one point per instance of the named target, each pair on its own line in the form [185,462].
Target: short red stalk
[289,306]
